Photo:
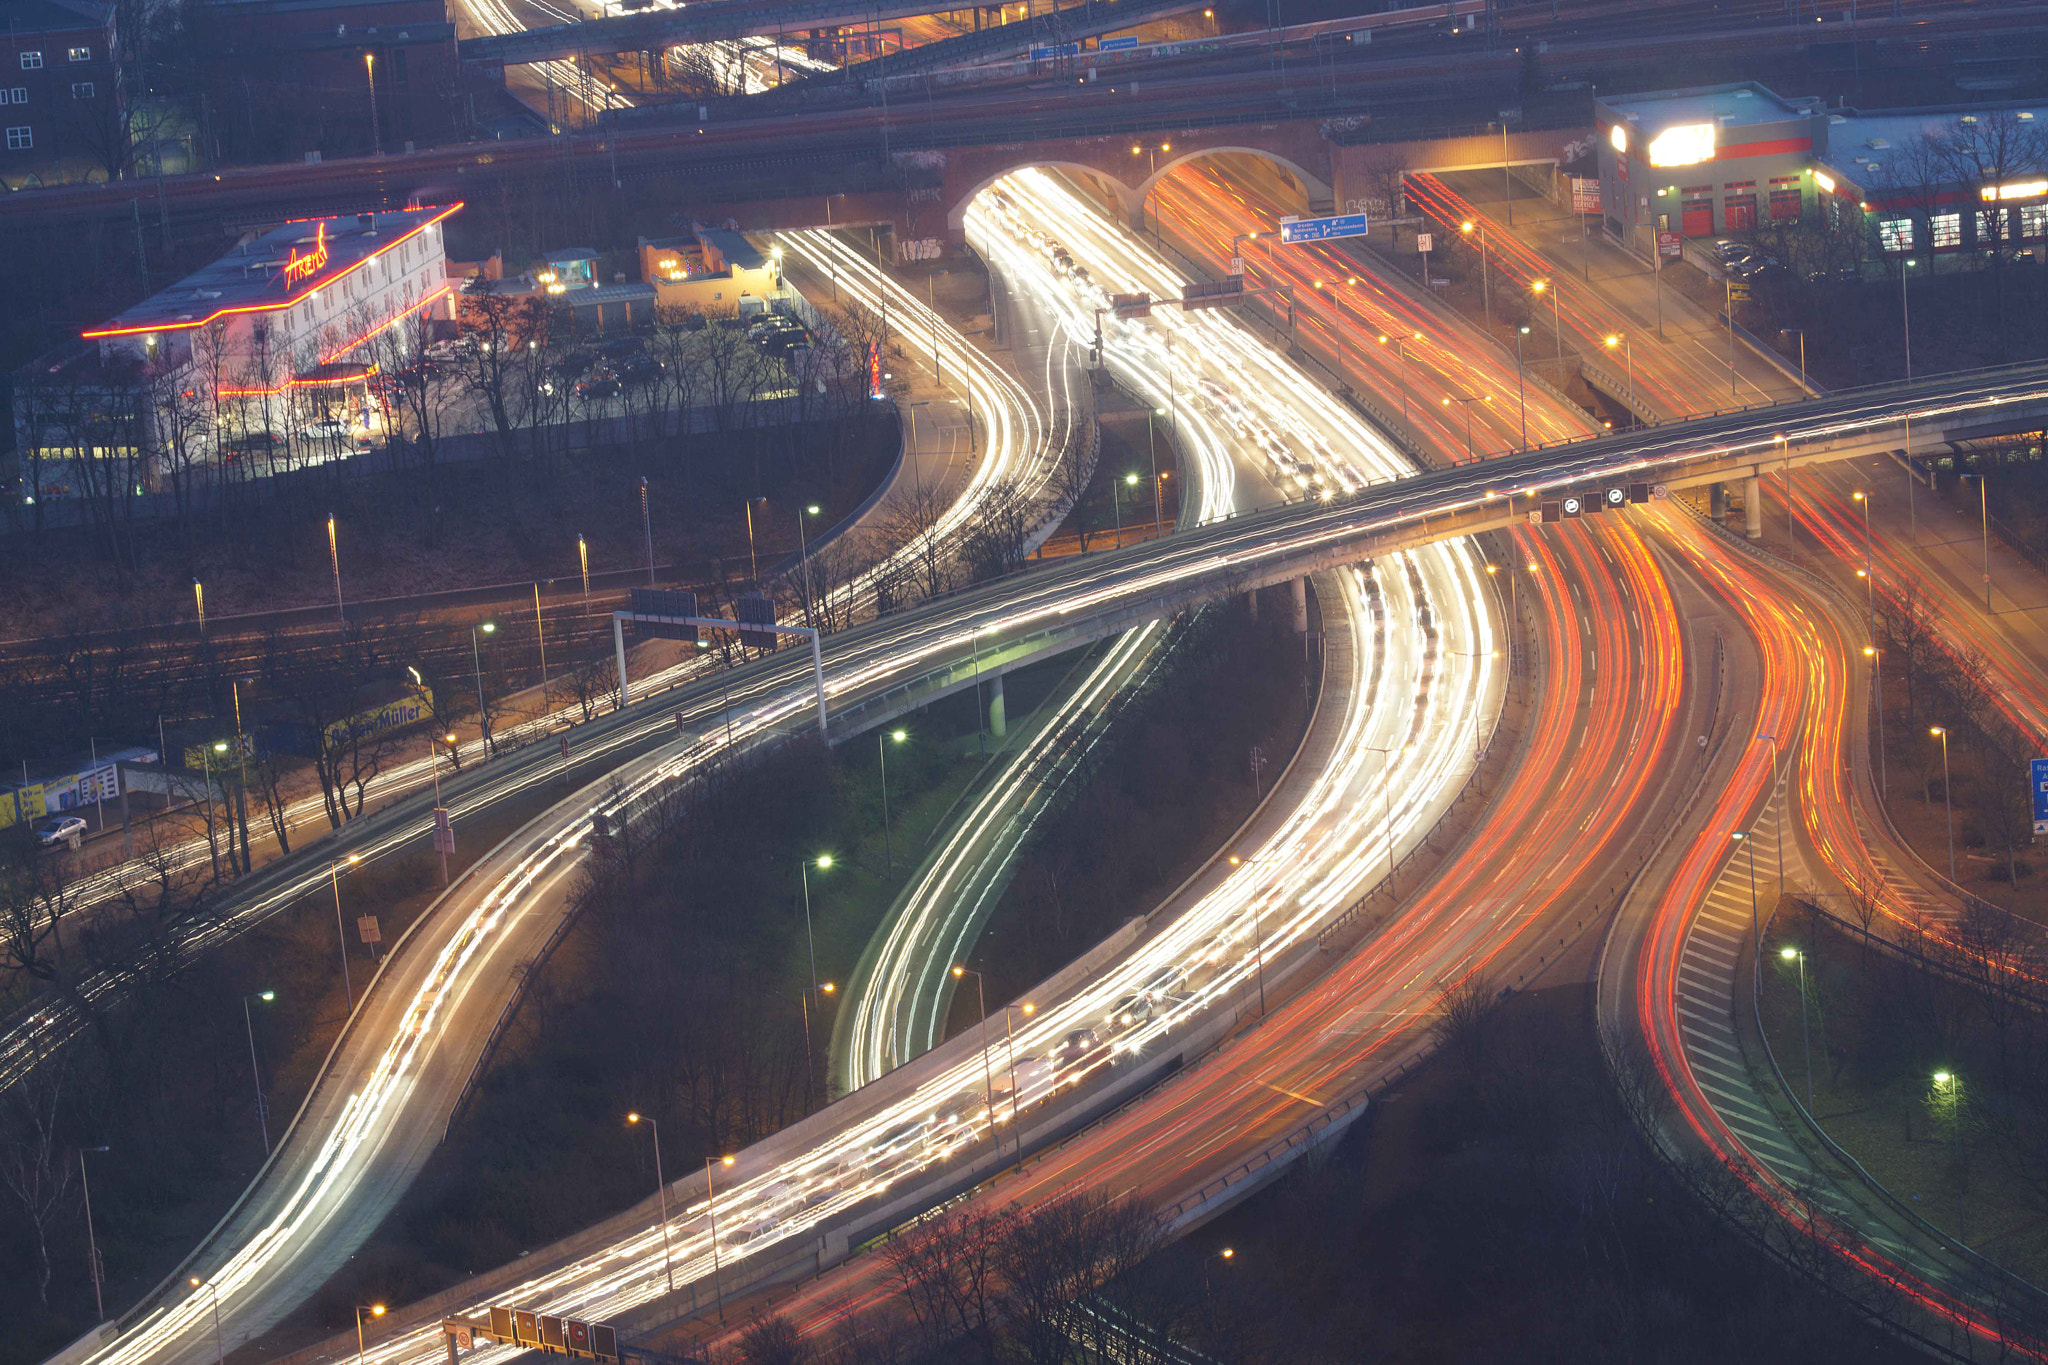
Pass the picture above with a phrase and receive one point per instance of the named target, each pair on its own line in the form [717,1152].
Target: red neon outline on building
[274,307]
[328,359]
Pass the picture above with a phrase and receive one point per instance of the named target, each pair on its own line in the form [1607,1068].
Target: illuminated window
[1991,227]
[81,54]
[1895,234]
[1947,229]
[2034,220]
[31,61]
[81,90]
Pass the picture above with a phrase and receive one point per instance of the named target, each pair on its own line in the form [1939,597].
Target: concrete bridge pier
[1717,500]
[1753,506]
[1300,587]
[998,718]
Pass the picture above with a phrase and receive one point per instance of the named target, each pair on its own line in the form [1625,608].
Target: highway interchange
[1286,480]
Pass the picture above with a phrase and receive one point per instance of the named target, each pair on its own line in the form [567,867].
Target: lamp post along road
[334,880]
[1947,799]
[92,1245]
[711,1221]
[987,1077]
[661,1192]
[255,1072]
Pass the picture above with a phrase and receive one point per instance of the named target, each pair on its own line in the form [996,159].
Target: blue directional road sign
[1322,229]
[1115,44]
[2037,774]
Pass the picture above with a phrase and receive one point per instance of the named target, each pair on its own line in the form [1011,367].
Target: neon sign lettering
[312,263]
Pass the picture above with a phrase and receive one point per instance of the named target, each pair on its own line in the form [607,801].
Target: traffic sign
[1573,505]
[367,926]
[444,833]
[1322,229]
[1617,497]
[1116,44]
[1424,242]
[2037,773]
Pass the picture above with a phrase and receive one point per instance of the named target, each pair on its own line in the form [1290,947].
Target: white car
[59,829]
[326,429]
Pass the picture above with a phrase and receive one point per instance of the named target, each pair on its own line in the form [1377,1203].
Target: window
[1946,229]
[1993,227]
[1787,205]
[1740,185]
[1738,212]
[31,61]
[1895,234]
[81,54]
[20,139]
[81,90]
[2034,220]
[15,95]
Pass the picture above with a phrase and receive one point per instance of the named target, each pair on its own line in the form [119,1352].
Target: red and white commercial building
[1729,159]
[284,330]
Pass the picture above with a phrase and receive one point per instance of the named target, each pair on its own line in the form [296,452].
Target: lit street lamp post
[1628,347]
[882,757]
[1984,519]
[1485,288]
[1869,579]
[803,541]
[1556,321]
[476,660]
[375,1310]
[1752,878]
[1521,390]
[661,1191]
[1876,657]
[1947,799]
[1258,939]
[824,863]
[810,1053]
[711,1219]
[255,1074]
[987,1079]
[334,560]
[220,1353]
[1789,954]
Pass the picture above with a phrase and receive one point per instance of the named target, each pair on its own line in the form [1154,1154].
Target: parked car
[601,382]
[326,429]
[1728,251]
[60,829]
[640,369]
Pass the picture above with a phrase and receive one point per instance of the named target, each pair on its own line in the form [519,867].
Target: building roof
[609,293]
[275,270]
[1876,150]
[733,248]
[569,253]
[20,17]
[1726,105]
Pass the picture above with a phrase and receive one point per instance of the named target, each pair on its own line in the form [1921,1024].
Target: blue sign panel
[1322,229]
[2037,772]
[1115,44]
[1040,54]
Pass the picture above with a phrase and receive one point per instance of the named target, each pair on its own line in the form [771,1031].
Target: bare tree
[34,1167]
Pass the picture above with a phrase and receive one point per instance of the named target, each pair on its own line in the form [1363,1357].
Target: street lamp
[882,757]
[1485,288]
[1739,835]
[1628,346]
[711,1220]
[1947,798]
[334,561]
[1869,580]
[1401,353]
[1876,657]
[753,566]
[1116,502]
[987,1080]
[341,935]
[661,1190]
[1010,1042]
[1521,392]
[1906,317]
[249,1022]
[823,862]
[1465,402]
[1556,320]
[1777,791]
[220,1353]
[1789,954]
[375,1310]
[810,1053]
[476,659]
[1952,1084]
[803,541]
[1387,794]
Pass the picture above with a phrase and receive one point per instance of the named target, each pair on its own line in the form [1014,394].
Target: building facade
[276,338]
[62,112]
[1730,159]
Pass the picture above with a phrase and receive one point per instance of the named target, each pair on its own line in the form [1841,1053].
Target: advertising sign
[1322,229]
[1671,245]
[2037,773]
[409,709]
[1585,194]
